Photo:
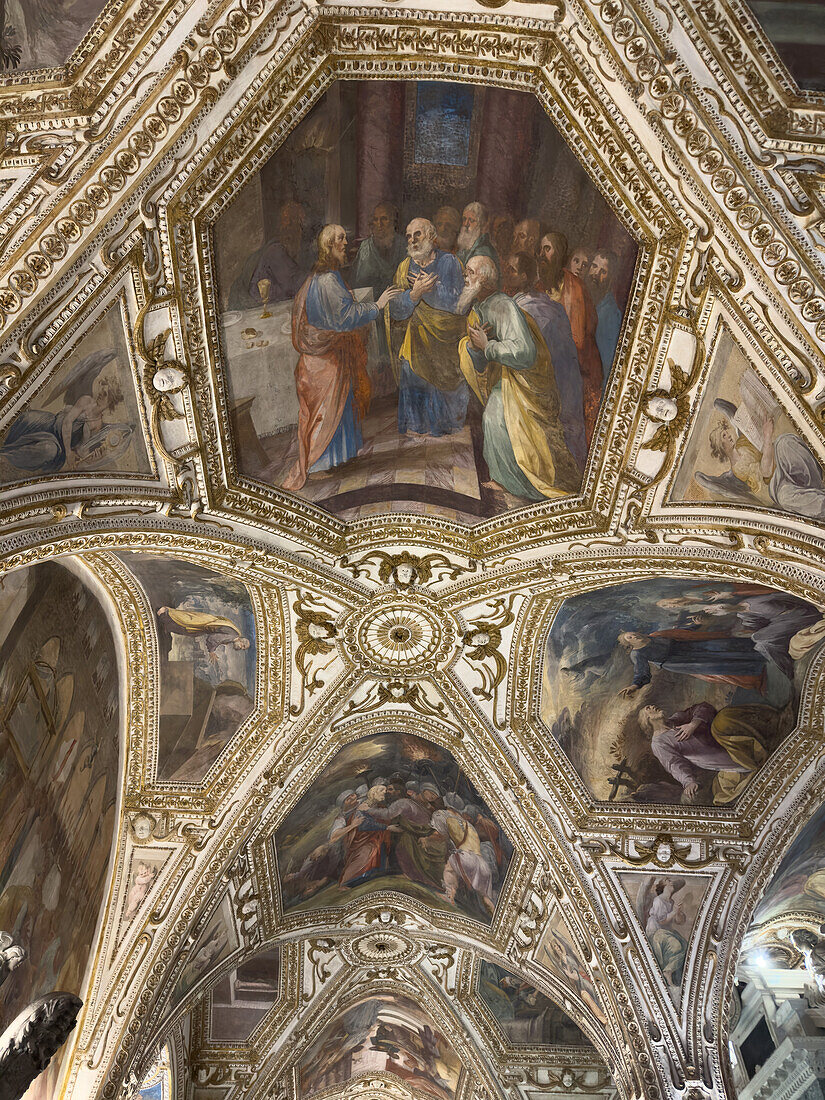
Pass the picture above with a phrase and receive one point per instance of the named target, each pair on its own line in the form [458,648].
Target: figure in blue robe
[554,325]
[433,394]
[690,653]
[608,327]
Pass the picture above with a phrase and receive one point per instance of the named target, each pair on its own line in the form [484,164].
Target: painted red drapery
[329,364]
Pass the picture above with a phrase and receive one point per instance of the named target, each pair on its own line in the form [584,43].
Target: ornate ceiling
[402,780]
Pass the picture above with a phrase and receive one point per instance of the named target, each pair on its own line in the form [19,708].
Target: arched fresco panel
[525,1016]
[667,690]
[557,954]
[355,395]
[382,1034]
[207,645]
[392,812]
[799,883]
[59,774]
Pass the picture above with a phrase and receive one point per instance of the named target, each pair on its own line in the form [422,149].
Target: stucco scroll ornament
[813,952]
[406,570]
[442,960]
[319,952]
[664,852]
[31,1041]
[532,914]
[315,629]
[392,693]
[247,901]
[11,955]
[482,641]
[808,174]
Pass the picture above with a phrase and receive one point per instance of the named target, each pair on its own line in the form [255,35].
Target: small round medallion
[400,633]
[383,947]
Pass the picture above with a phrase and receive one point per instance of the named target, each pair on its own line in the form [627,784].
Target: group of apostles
[409,827]
[464,304]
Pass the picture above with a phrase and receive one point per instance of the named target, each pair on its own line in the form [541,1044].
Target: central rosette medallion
[400,634]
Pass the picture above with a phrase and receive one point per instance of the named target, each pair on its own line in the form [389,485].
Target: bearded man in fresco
[408,823]
[213,629]
[700,741]
[379,254]
[328,332]
[526,236]
[505,360]
[432,394]
[563,286]
[365,841]
[280,264]
[447,222]
[474,238]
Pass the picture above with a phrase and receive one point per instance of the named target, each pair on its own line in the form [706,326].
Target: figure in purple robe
[699,740]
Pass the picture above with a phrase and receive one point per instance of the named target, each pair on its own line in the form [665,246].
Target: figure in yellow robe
[215,631]
[513,377]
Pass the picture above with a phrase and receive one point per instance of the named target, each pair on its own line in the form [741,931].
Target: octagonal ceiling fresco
[393,812]
[384,370]
[41,34]
[666,690]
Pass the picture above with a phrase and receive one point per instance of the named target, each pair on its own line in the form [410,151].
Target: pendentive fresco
[743,449]
[206,649]
[411,597]
[86,417]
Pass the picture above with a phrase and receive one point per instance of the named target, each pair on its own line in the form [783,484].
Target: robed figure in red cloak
[329,333]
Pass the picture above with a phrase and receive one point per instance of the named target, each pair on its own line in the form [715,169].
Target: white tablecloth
[268,373]
[265,373]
